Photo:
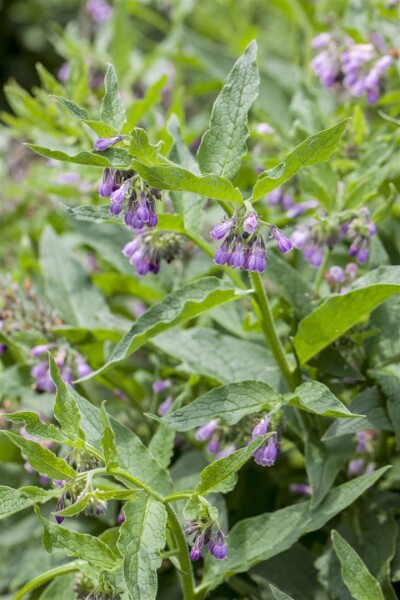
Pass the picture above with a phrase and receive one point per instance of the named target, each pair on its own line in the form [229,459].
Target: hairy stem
[45,577]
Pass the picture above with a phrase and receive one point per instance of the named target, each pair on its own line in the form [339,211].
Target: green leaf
[34,426]
[133,456]
[68,286]
[220,475]
[112,110]
[162,445]
[82,158]
[359,581]
[314,149]
[72,543]
[258,538]
[178,307]
[278,595]
[159,172]
[323,463]
[224,144]
[61,588]
[223,358]
[140,542]
[107,441]
[229,402]
[12,501]
[316,398]
[371,403]
[66,410]
[41,459]
[74,109]
[340,312]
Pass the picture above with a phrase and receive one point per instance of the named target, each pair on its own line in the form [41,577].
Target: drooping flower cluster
[149,248]
[314,235]
[362,463]
[71,365]
[339,279]
[280,198]
[358,68]
[159,387]
[99,10]
[265,455]
[203,535]
[243,246]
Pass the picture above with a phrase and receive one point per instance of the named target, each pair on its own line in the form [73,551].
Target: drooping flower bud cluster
[362,463]
[358,68]
[314,235]
[243,246]
[149,248]
[267,453]
[71,365]
[339,279]
[203,535]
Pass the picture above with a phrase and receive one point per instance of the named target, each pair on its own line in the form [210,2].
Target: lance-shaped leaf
[359,581]
[259,538]
[278,594]
[66,410]
[12,501]
[161,173]
[112,110]
[107,441]
[220,475]
[34,426]
[314,149]
[340,312]
[178,307]
[72,543]
[82,158]
[229,402]
[224,143]
[140,542]
[41,459]
[316,398]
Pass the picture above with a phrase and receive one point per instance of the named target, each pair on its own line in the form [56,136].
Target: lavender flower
[63,72]
[41,373]
[229,449]
[195,552]
[337,274]
[278,198]
[99,10]
[40,349]
[266,455]
[250,224]
[120,518]
[302,207]
[3,349]
[218,547]
[204,432]
[213,446]
[60,506]
[261,428]
[165,406]
[300,488]
[355,467]
[149,248]
[102,144]
[284,244]
[107,183]
[255,257]
[264,129]
[219,231]
[82,368]
[161,385]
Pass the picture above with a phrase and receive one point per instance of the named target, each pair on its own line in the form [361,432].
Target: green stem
[268,327]
[179,496]
[321,271]
[45,577]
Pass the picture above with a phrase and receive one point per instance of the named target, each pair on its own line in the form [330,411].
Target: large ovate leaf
[220,475]
[224,143]
[36,427]
[258,538]
[72,543]
[314,149]
[340,312]
[161,173]
[229,402]
[141,540]
[112,110]
[12,501]
[316,398]
[359,581]
[40,458]
[114,157]
[178,307]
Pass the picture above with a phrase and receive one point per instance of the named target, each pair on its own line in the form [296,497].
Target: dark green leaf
[315,397]
[66,410]
[12,501]
[112,110]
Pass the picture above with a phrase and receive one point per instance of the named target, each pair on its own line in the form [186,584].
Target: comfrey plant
[232,431]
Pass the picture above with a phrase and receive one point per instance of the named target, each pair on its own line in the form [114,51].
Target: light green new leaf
[278,595]
[359,581]
[72,543]
[178,307]
[80,113]
[161,173]
[74,109]
[82,158]
[229,402]
[112,109]
[140,542]
[340,312]
[107,441]
[41,459]
[34,426]
[314,149]
[12,501]
[224,143]
[220,475]
[66,410]
[258,538]
[316,398]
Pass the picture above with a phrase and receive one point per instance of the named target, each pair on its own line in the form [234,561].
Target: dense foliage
[199,335]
